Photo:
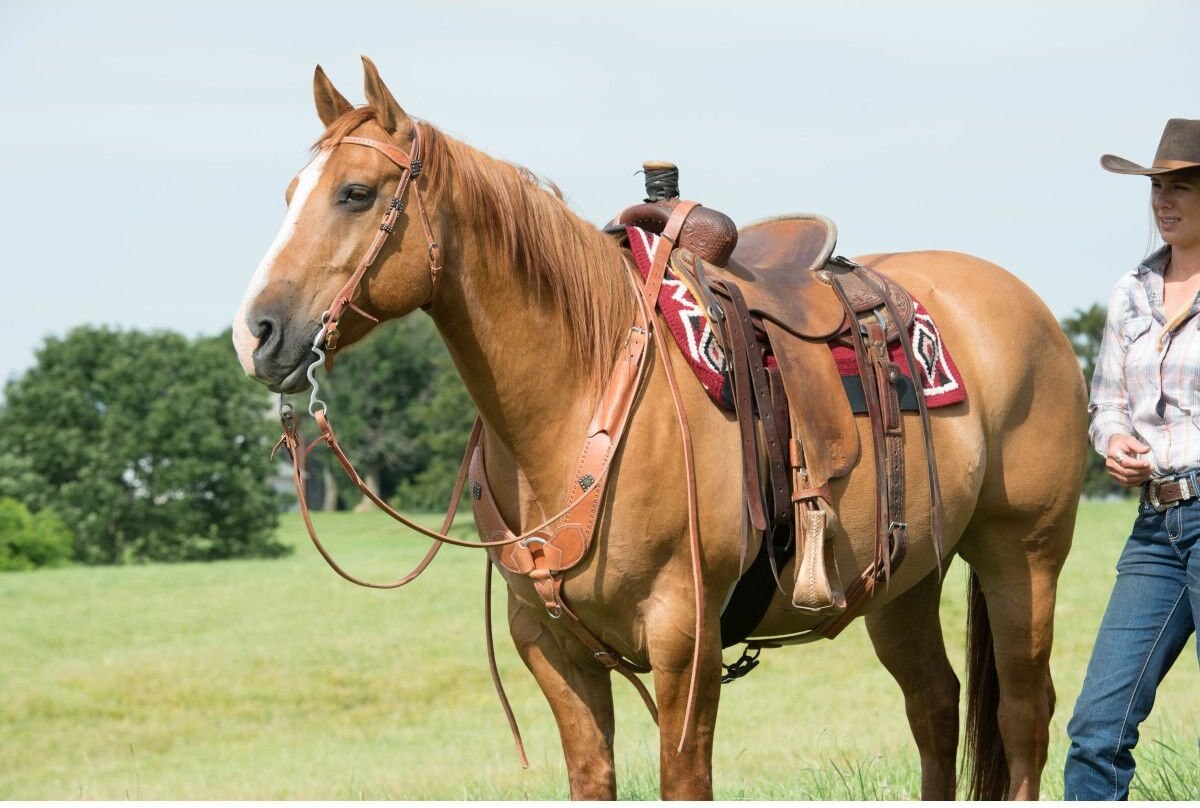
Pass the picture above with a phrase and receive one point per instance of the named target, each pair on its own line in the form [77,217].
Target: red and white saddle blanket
[687,321]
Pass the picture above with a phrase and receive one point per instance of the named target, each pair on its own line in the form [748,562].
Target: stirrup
[818,587]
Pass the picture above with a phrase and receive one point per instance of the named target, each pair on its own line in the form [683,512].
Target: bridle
[410,169]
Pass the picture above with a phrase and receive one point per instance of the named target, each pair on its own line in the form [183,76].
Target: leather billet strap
[887,431]
[896,314]
[410,169]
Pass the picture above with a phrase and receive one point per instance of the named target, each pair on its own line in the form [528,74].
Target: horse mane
[526,223]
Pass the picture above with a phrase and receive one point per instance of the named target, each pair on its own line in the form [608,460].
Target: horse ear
[389,114]
[330,103]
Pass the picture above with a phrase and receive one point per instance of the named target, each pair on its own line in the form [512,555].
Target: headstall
[410,169]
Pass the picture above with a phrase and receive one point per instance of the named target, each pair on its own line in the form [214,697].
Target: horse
[534,306]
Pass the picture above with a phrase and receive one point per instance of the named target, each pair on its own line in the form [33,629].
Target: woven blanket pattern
[685,318]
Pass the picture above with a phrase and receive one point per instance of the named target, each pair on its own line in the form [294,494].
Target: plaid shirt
[1147,381]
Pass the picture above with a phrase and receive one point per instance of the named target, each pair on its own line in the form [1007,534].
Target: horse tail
[984,753]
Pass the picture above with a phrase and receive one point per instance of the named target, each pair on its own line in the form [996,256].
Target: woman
[1145,411]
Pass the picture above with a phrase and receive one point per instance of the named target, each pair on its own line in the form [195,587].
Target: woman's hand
[1122,462]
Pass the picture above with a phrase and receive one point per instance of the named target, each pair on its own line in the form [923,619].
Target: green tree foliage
[401,412]
[1085,329]
[443,422]
[29,540]
[149,446]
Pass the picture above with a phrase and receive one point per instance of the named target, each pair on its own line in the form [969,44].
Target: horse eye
[356,197]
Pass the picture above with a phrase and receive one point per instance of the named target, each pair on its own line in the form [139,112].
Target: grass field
[278,680]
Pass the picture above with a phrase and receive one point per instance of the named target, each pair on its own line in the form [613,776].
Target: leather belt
[1167,492]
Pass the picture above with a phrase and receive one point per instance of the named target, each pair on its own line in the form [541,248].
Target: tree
[1085,330]
[149,446]
[398,407]
[29,540]
[443,424]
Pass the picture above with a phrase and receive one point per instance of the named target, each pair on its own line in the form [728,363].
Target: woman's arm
[1111,428]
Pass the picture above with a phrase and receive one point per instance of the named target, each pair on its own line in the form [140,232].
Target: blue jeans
[1154,609]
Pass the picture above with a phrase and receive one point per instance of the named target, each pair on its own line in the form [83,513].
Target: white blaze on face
[243,341]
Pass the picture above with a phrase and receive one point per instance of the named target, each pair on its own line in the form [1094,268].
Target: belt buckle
[1186,492]
[1152,497]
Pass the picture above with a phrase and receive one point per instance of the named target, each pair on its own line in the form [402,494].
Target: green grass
[278,680]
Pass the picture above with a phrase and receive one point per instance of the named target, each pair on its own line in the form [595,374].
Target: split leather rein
[629,376]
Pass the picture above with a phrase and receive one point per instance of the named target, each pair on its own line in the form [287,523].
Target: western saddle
[777,298]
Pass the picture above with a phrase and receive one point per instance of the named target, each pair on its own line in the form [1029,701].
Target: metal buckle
[1186,490]
[1152,496]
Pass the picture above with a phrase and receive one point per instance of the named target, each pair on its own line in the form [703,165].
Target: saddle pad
[686,320]
[693,332]
[942,383]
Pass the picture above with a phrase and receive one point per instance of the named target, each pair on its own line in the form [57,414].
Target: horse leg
[580,697]
[684,774]
[907,635]
[1016,559]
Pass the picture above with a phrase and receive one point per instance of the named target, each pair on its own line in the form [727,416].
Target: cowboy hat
[1178,148]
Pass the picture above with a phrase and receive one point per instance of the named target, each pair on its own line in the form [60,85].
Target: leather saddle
[784,268]
[777,299]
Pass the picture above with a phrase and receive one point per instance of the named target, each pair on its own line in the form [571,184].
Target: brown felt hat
[1179,148]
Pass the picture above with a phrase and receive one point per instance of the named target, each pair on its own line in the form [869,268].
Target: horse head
[357,244]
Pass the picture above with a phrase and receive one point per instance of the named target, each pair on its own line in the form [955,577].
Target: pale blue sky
[145,147]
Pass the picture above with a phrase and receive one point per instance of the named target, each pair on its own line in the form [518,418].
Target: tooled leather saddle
[777,298]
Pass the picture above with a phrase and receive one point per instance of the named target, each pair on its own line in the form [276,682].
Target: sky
[145,147]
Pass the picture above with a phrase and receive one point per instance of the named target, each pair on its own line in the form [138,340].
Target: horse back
[1005,340]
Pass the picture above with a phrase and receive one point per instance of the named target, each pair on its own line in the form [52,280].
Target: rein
[605,434]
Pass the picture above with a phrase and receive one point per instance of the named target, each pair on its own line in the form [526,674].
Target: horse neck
[515,352]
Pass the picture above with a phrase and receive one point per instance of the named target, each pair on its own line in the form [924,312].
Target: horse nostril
[267,331]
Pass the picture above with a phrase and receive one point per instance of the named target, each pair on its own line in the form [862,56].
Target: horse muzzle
[283,353]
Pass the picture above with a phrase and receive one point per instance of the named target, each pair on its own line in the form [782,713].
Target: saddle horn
[708,233]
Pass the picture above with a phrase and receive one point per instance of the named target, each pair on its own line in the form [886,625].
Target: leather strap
[744,342]
[887,434]
[299,451]
[494,669]
[937,510]
[605,432]
[693,264]
[863,587]
[893,532]
[662,251]
[546,560]
[410,170]
[558,544]
[1164,493]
